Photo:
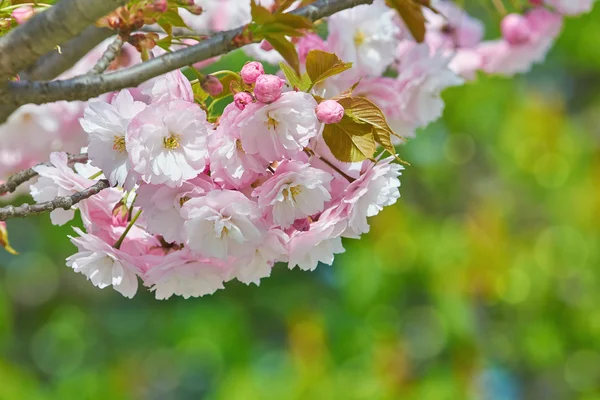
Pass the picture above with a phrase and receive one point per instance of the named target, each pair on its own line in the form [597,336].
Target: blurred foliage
[481,283]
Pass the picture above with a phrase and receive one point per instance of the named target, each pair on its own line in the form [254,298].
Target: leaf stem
[119,242]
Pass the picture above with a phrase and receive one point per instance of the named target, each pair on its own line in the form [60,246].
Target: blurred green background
[481,283]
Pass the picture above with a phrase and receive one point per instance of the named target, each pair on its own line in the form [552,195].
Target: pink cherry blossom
[571,7]
[162,205]
[180,273]
[253,268]
[170,86]
[242,99]
[515,29]
[318,244]
[106,124]
[167,142]
[376,188]
[296,190]
[102,264]
[280,129]
[502,57]
[223,223]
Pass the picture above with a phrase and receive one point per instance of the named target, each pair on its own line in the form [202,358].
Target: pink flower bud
[196,10]
[242,99]
[266,46]
[160,5]
[330,112]
[120,214]
[515,29]
[268,88]
[22,14]
[212,85]
[251,71]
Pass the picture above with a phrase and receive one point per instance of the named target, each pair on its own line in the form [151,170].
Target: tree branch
[13,182]
[87,86]
[112,51]
[64,202]
[53,63]
[23,45]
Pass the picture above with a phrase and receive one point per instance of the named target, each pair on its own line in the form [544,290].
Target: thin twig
[326,161]
[112,52]
[63,202]
[87,86]
[13,182]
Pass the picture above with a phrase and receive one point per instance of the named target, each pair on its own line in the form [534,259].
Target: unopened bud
[266,46]
[330,112]
[194,9]
[120,214]
[160,5]
[242,99]
[515,29]
[212,85]
[22,14]
[251,71]
[268,88]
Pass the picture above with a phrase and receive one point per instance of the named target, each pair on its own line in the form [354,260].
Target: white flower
[222,224]
[296,190]
[103,264]
[167,142]
[280,129]
[571,7]
[365,35]
[106,124]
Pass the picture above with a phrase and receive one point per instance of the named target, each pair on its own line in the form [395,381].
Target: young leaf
[199,94]
[301,83]
[227,81]
[350,141]
[173,18]
[412,13]
[284,5]
[286,49]
[260,14]
[364,111]
[321,65]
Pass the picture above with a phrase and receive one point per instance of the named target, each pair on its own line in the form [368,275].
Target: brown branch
[112,51]
[64,202]
[13,182]
[67,19]
[87,86]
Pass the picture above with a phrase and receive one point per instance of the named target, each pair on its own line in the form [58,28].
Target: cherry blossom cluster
[194,204]
[196,201]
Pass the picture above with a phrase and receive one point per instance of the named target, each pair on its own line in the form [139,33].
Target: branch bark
[64,202]
[87,86]
[23,45]
[53,63]
[13,182]
[109,55]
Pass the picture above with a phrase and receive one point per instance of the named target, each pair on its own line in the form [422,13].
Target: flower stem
[119,242]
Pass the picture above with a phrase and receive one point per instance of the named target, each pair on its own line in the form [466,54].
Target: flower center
[291,192]
[359,38]
[183,200]
[119,144]
[171,142]
[271,122]
[238,145]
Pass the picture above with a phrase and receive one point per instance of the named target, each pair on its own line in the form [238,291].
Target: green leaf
[165,43]
[321,65]
[199,94]
[167,27]
[227,81]
[350,141]
[361,110]
[173,18]
[411,12]
[301,83]
[284,5]
[287,51]
[260,14]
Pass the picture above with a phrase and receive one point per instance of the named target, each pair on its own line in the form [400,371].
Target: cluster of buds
[143,42]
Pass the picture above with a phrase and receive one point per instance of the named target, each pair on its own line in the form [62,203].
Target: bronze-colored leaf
[321,65]
[364,111]
[412,13]
[287,51]
[350,141]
